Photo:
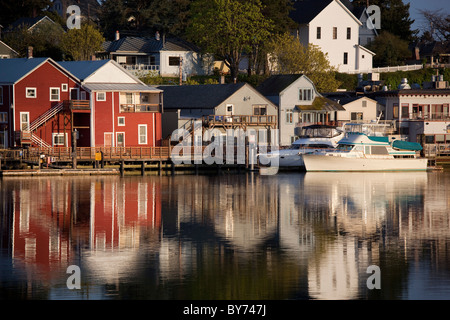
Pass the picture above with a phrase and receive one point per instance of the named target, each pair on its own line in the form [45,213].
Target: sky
[433,5]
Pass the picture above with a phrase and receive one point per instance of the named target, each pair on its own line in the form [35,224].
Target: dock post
[173,168]
[143,168]
[122,168]
[159,167]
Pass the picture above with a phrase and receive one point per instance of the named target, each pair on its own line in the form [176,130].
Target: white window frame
[58,134]
[289,116]
[51,94]
[83,95]
[117,140]
[139,134]
[5,115]
[98,97]
[64,87]
[28,120]
[31,96]
[119,124]
[111,134]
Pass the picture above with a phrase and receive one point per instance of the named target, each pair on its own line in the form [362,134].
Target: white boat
[313,139]
[359,152]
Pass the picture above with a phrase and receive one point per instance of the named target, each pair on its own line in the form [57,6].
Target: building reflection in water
[244,236]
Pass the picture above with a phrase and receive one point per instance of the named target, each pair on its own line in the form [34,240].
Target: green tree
[81,44]
[228,28]
[390,50]
[113,16]
[45,40]
[289,56]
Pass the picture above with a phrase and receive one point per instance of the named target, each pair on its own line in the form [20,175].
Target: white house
[299,104]
[158,54]
[330,25]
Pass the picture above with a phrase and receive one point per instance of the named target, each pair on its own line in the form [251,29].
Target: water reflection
[289,236]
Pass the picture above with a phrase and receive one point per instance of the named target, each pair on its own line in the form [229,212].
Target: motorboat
[360,152]
[313,139]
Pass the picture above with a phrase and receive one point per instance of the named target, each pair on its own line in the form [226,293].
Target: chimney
[117,35]
[157,36]
[30,52]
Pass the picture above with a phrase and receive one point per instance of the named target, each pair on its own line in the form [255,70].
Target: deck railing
[155,107]
[77,105]
[247,120]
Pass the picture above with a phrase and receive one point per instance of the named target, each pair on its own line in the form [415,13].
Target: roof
[304,11]
[147,45]
[30,22]
[5,49]
[82,69]
[120,87]
[275,84]
[12,70]
[206,96]
[321,104]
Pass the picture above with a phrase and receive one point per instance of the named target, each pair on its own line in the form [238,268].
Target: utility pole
[181,71]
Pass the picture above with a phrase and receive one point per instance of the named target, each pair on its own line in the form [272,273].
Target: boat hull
[336,163]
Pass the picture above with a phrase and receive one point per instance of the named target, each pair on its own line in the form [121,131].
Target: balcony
[77,105]
[131,108]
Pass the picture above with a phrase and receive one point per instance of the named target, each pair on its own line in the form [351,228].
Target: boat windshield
[345,147]
[295,146]
[319,132]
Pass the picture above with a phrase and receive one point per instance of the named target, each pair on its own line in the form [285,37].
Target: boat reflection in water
[289,236]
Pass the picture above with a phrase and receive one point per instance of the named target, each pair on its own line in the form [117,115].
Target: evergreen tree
[10,11]
[113,17]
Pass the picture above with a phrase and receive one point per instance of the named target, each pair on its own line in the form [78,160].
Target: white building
[299,104]
[330,25]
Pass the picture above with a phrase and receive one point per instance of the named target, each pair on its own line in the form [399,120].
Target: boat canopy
[406,145]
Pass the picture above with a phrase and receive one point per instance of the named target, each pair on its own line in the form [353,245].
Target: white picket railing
[389,69]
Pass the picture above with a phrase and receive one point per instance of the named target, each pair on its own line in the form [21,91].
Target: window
[31,92]
[364,104]
[334,33]
[1,95]
[3,117]
[349,33]
[356,116]
[129,98]
[120,136]
[54,94]
[405,110]
[259,110]
[345,58]
[142,133]
[395,111]
[64,87]
[319,32]
[289,116]
[305,95]
[58,139]
[101,96]
[174,61]
[121,121]
[230,108]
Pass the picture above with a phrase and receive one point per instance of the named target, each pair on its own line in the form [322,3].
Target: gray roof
[147,45]
[12,70]
[275,84]
[206,96]
[120,87]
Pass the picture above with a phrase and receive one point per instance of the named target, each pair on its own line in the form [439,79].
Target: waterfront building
[43,101]
[299,104]
[218,106]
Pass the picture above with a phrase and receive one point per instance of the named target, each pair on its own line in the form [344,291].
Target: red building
[43,101]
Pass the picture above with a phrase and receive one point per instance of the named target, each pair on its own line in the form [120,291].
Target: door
[24,121]
[108,139]
[73,94]
[120,139]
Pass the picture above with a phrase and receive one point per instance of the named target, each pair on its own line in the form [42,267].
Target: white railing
[39,142]
[46,116]
[389,69]
[142,67]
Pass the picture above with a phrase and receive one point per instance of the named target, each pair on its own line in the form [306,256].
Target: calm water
[288,236]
